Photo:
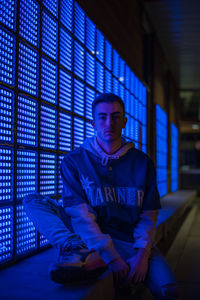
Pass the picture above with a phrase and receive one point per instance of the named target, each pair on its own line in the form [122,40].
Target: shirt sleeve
[83,217]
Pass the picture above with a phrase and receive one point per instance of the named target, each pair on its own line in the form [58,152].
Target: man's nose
[109,121]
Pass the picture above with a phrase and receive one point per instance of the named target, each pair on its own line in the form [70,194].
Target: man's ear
[125,121]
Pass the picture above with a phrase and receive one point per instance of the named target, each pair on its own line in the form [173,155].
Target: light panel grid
[161,150]
[90,69]
[7,51]
[78,97]
[66,45]
[79,23]
[65,136]
[6,176]
[6,234]
[28,69]
[100,46]
[132,83]
[7,115]
[8,13]
[115,63]
[27,121]
[78,132]
[47,174]
[49,81]
[65,90]
[66,13]
[52,6]
[79,66]
[100,77]
[29,21]
[174,158]
[121,92]
[25,231]
[48,127]
[90,95]
[26,173]
[121,70]
[43,241]
[115,86]
[127,76]
[90,35]
[108,82]
[89,130]
[60,182]
[108,55]
[49,35]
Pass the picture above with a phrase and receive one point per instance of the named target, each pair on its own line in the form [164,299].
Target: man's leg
[160,278]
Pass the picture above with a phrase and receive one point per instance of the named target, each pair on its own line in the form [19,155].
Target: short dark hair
[107,98]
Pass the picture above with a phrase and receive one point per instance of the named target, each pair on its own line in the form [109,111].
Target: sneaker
[76,263]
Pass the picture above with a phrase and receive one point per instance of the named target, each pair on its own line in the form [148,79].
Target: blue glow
[48,127]
[90,94]
[43,241]
[7,51]
[66,13]
[132,83]
[47,173]
[28,69]
[6,167]
[29,21]
[115,63]
[89,130]
[49,35]
[90,35]
[115,86]
[65,92]
[65,49]
[65,135]
[79,60]
[26,232]
[127,77]
[161,150]
[6,234]
[8,13]
[79,24]
[26,173]
[78,132]
[52,6]
[100,77]
[100,46]
[121,71]
[78,97]
[27,119]
[49,81]
[174,158]
[7,115]
[60,182]
[108,55]
[108,82]
[90,69]
[121,91]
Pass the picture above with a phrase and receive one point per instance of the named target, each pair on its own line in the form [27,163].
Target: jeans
[51,221]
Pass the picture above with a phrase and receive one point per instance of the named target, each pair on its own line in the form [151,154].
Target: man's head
[108,117]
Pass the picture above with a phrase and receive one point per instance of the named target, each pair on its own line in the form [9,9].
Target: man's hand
[138,266]
[120,270]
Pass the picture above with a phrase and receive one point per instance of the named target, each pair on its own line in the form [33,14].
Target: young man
[110,195]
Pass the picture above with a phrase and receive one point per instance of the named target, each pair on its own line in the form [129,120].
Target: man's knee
[171,291]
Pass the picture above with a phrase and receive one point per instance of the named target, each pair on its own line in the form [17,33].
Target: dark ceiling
[177,24]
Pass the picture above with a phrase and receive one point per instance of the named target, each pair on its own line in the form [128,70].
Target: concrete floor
[29,278]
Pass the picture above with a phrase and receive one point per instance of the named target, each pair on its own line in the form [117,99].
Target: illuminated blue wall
[161,150]
[174,158]
[53,63]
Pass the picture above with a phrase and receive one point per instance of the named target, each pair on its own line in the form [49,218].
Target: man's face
[108,121]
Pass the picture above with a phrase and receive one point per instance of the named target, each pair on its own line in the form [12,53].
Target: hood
[92,145]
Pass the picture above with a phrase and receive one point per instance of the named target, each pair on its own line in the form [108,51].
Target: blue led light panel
[49,81]
[6,234]
[132,83]
[127,76]
[8,13]
[121,70]
[27,121]
[174,158]
[100,46]
[79,23]
[66,13]
[78,97]
[121,92]
[78,132]
[48,174]
[89,130]
[115,86]
[7,56]
[90,95]
[29,21]
[115,63]
[65,92]
[99,77]
[48,127]
[90,35]
[79,65]
[43,241]
[52,6]
[26,173]
[7,115]
[28,69]
[108,82]
[65,49]
[60,183]
[6,174]
[65,134]
[108,55]
[26,232]
[49,35]
[90,69]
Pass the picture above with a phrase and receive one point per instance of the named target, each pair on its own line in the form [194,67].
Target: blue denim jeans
[51,221]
